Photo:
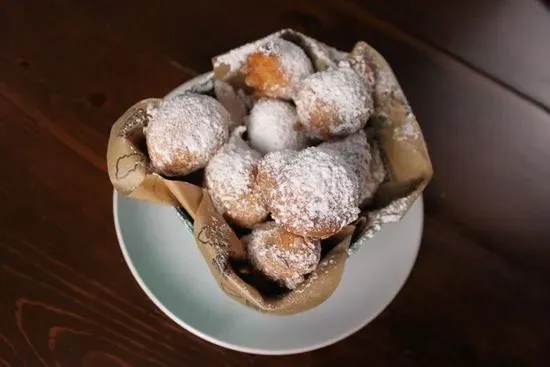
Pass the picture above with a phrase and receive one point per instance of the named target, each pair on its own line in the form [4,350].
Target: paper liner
[395,128]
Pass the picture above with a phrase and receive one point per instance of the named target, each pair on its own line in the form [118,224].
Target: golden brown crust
[264,74]
[267,170]
[322,118]
[183,162]
[184,132]
[334,102]
[318,230]
[265,183]
[250,211]
[281,255]
[230,179]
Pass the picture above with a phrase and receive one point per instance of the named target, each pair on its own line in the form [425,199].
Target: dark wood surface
[476,74]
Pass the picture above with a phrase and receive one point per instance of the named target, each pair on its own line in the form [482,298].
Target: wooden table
[476,74]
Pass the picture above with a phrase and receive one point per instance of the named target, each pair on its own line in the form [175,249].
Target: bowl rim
[240,348]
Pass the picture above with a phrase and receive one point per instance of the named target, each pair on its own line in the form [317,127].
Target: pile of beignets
[288,158]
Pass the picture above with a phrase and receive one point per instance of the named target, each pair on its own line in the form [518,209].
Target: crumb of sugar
[272,126]
[344,91]
[327,262]
[184,132]
[407,130]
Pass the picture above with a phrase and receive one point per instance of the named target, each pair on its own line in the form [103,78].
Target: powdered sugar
[407,130]
[326,262]
[360,65]
[235,59]
[229,177]
[273,126]
[276,69]
[295,64]
[391,213]
[269,171]
[315,193]
[334,102]
[385,88]
[363,159]
[384,82]
[282,256]
[185,131]
[354,148]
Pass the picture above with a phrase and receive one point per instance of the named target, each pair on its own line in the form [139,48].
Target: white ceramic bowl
[161,253]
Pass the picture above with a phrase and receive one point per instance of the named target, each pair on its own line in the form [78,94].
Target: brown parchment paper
[395,129]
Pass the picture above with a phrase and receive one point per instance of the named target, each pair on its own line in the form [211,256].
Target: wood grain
[478,293]
[504,40]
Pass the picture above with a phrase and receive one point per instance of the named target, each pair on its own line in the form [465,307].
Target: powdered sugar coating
[277,68]
[389,214]
[293,60]
[363,158]
[314,192]
[236,58]
[184,132]
[335,102]
[233,102]
[281,255]
[269,171]
[230,180]
[273,125]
